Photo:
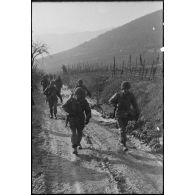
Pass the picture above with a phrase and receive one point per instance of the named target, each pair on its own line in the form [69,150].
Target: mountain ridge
[142,35]
[65,41]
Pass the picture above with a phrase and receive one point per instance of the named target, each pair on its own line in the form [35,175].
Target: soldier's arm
[87,110]
[134,103]
[114,99]
[88,92]
[67,106]
[46,91]
[59,95]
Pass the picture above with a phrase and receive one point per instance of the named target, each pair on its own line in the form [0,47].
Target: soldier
[79,114]
[58,83]
[44,82]
[124,113]
[80,84]
[52,97]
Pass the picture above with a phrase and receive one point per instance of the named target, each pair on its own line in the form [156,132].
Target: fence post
[130,64]
[114,67]
[122,68]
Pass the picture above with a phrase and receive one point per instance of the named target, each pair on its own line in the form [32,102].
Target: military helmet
[79,91]
[52,82]
[80,82]
[125,85]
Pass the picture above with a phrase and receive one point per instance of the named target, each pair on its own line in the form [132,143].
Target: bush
[146,132]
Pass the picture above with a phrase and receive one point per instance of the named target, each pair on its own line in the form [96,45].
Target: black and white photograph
[97,97]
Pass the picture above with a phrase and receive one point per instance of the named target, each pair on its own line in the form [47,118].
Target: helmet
[52,83]
[125,85]
[79,91]
[80,82]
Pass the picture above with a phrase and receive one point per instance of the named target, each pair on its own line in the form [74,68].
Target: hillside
[143,35]
[62,42]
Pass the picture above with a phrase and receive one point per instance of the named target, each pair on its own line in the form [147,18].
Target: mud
[100,167]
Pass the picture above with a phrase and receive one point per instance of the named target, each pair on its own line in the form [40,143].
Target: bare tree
[38,49]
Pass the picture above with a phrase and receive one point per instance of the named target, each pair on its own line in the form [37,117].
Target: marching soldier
[80,84]
[79,114]
[58,83]
[44,82]
[123,101]
[52,97]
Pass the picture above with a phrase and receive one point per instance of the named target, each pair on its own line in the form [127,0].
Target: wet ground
[100,167]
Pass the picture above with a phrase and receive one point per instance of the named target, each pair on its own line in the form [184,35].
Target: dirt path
[100,167]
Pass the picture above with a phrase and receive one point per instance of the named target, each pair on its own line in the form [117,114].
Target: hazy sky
[70,17]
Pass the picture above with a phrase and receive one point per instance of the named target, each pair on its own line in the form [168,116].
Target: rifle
[67,120]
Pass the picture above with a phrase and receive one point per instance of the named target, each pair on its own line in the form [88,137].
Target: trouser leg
[55,107]
[122,123]
[51,107]
[44,87]
[73,136]
[80,134]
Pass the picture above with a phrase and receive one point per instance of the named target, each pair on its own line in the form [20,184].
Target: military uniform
[52,97]
[58,83]
[79,115]
[87,92]
[126,110]
[44,83]
[80,84]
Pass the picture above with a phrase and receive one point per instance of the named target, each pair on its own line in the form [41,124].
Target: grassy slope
[133,38]
[149,95]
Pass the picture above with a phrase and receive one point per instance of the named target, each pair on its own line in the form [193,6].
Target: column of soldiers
[52,91]
[79,112]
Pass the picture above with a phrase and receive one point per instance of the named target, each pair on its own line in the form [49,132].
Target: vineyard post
[114,67]
[122,67]
[130,63]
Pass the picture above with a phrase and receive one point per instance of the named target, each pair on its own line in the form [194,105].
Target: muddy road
[100,167]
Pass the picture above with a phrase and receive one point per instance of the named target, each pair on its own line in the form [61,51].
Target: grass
[149,95]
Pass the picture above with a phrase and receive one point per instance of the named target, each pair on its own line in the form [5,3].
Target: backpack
[123,110]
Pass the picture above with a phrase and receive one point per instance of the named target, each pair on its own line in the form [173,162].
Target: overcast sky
[70,17]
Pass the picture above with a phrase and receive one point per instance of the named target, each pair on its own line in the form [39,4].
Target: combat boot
[80,147]
[75,151]
[125,148]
